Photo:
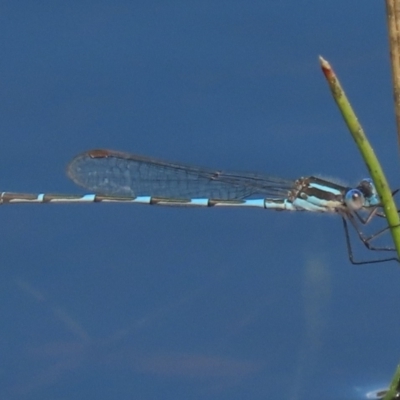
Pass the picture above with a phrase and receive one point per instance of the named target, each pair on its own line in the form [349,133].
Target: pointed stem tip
[323,62]
[327,70]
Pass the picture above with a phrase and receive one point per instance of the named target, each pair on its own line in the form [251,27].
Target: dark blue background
[133,302]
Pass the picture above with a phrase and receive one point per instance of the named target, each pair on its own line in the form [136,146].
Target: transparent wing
[115,173]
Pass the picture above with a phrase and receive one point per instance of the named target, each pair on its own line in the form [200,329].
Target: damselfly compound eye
[367,187]
[354,199]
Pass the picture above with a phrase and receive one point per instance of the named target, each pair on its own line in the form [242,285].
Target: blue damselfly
[121,177]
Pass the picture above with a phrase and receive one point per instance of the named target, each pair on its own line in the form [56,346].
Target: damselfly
[120,177]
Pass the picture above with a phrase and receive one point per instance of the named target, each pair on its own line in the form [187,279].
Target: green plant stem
[394,386]
[367,152]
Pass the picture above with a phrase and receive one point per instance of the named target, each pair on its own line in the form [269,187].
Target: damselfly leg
[365,240]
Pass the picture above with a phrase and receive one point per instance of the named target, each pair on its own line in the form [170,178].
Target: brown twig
[393,21]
